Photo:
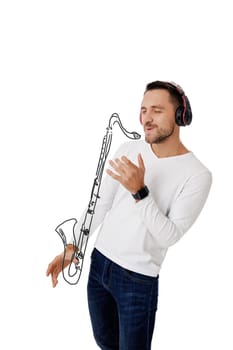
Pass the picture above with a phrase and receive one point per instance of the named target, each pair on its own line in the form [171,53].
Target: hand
[55,267]
[128,174]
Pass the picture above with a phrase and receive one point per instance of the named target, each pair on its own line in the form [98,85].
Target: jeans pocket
[139,278]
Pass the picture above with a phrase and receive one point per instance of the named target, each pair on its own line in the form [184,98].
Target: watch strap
[142,193]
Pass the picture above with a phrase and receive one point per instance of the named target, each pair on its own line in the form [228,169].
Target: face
[158,116]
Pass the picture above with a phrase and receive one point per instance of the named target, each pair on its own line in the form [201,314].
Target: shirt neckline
[179,156]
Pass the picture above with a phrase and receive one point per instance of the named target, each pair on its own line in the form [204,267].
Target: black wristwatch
[142,193]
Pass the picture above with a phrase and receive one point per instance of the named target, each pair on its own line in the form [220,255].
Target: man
[151,196]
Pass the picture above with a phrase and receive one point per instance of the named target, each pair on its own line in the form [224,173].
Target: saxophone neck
[116,119]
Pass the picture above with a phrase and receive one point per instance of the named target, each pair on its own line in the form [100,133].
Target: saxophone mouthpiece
[136,136]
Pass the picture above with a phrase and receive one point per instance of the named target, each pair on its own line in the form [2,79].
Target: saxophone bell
[66,229]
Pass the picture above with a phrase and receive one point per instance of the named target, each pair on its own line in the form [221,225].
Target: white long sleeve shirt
[137,235]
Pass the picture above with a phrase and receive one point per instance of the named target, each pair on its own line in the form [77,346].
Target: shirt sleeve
[168,229]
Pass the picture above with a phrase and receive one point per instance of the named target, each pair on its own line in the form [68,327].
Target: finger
[127,161]
[54,276]
[54,282]
[49,269]
[113,175]
[141,162]
[118,166]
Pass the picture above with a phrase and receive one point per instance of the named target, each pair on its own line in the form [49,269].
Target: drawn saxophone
[80,245]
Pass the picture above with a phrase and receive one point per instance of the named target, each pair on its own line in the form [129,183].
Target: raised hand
[131,176]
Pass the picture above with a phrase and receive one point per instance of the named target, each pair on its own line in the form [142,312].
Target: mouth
[148,129]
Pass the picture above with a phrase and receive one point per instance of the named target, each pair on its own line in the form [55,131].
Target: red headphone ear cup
[140,118]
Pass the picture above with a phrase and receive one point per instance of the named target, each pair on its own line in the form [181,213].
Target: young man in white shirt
[153,193]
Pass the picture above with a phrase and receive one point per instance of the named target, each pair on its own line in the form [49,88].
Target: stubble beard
[162,135]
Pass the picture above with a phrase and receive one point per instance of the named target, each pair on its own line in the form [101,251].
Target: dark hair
[175,95]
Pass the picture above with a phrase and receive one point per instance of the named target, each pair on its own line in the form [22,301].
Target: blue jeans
[122,305]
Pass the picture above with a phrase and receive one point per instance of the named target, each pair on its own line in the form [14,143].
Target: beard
[159,135]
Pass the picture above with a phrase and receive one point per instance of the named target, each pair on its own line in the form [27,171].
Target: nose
[147,117]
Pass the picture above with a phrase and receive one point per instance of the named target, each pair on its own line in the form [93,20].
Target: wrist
[70,251]
[141,194]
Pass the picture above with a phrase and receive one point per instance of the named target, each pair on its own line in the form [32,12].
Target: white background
[65,67]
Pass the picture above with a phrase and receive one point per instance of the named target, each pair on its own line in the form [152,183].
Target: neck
[169,148]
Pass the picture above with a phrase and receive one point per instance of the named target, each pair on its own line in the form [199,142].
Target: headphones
[183,115]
